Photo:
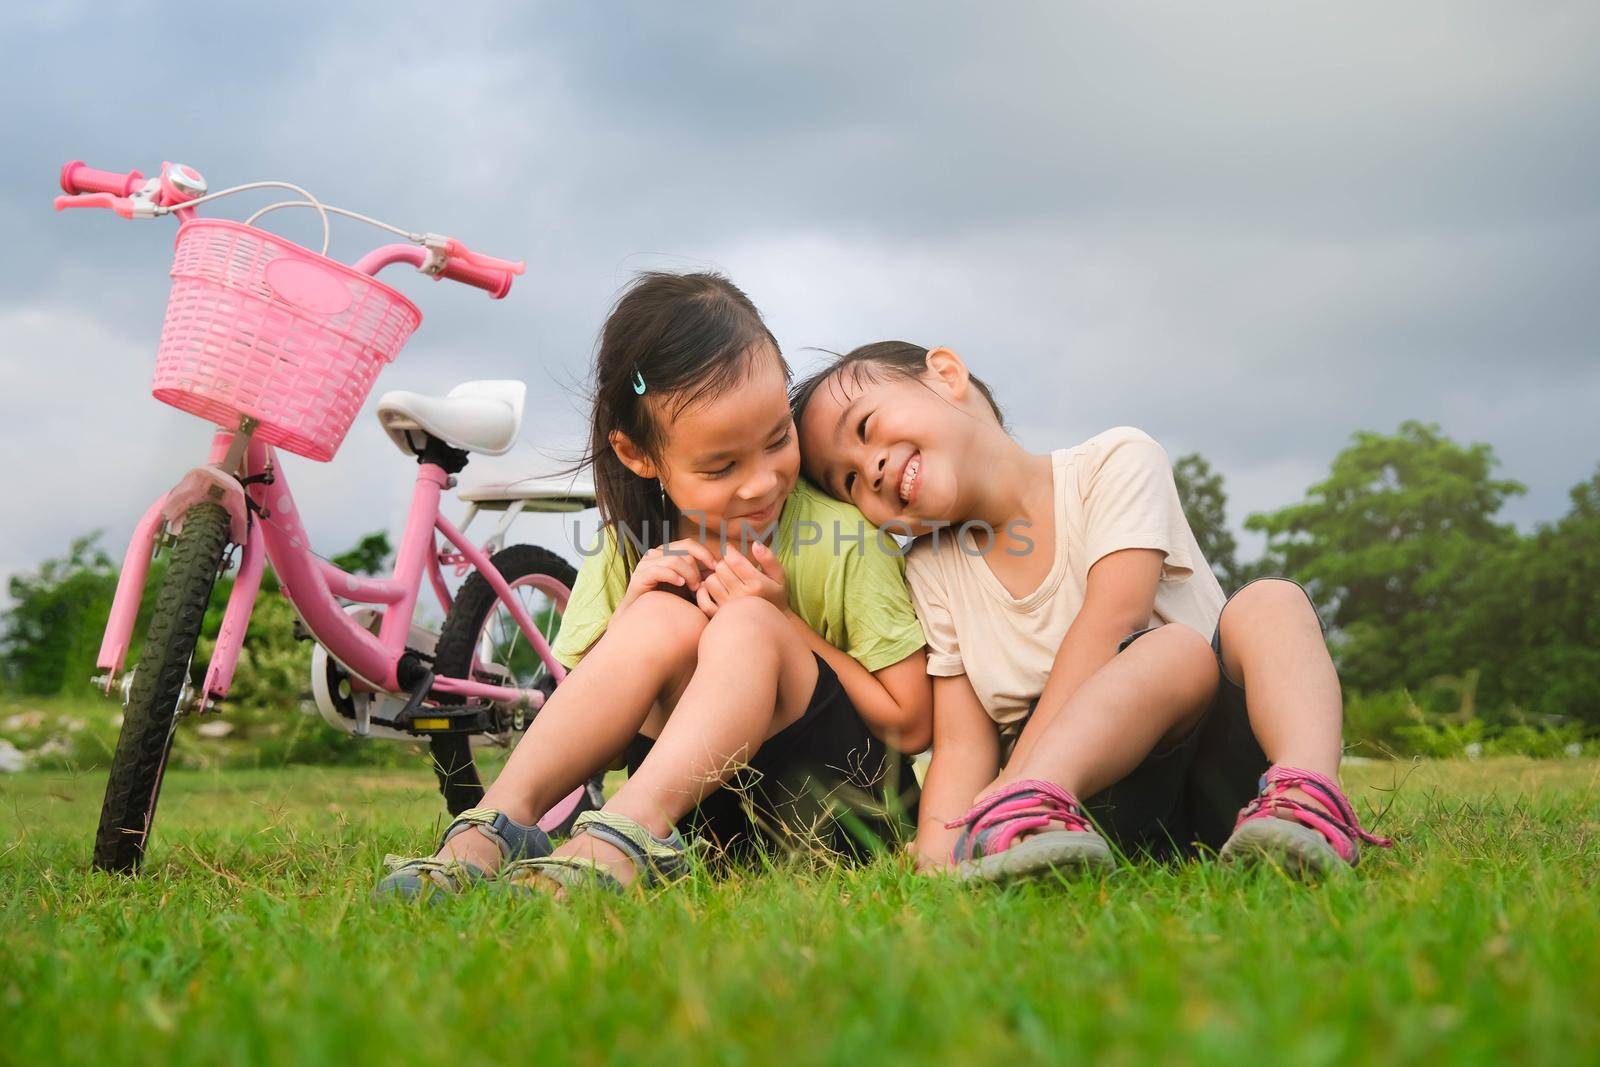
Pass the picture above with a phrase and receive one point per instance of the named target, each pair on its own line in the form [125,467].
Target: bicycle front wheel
[150,717]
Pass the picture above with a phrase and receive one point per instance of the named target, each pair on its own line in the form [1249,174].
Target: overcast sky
[1250,229]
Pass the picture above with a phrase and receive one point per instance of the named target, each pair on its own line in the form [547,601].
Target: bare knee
[759,637]
[662,624]
[741,618]
[1267,602]
[1180,654]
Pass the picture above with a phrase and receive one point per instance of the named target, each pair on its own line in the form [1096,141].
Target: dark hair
[899,360]
[687,337]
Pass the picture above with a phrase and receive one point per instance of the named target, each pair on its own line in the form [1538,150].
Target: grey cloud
[1249,228]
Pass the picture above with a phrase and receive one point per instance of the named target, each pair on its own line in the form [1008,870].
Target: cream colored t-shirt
[1112,492]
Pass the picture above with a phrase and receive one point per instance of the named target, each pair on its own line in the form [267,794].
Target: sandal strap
[656,859]
[569,872]
[450,875]
[1024,806]
[1336,820]
[514,840]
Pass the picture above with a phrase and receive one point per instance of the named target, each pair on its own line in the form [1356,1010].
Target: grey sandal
[430,877]
[656,859]
[1064,840]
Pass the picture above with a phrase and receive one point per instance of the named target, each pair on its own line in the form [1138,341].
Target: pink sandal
[1303,839]
[988,848]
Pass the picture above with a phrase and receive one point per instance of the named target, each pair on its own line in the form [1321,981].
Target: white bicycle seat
[483,417]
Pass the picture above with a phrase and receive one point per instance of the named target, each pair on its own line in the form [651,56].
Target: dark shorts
[1190,793]
[823,780]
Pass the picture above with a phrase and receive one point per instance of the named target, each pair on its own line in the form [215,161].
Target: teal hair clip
[638,384]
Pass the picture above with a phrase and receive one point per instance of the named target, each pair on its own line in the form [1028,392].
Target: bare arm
[966,757]
[1119,599]
[896,702]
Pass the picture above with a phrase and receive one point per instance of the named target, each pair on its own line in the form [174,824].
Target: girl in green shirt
[734,621]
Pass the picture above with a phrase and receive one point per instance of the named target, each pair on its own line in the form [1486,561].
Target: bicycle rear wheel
[150,717]
[480,639]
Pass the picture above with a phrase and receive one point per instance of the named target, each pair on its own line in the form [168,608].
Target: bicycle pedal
[419,693]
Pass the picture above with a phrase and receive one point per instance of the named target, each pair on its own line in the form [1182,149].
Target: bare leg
[1154,691]
[645,657]
[754,677]
[1272,645]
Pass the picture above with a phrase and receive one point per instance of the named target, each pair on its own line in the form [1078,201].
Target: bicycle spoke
[501,652]
[516,635]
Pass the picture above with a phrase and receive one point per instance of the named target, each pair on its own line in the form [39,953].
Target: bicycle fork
[208,484]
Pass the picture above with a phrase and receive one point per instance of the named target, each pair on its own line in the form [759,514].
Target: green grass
[251,939]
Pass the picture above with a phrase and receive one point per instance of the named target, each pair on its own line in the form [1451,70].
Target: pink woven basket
[258,326]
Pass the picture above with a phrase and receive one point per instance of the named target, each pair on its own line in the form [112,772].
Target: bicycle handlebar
[434,261]
[77,177]
[440,256]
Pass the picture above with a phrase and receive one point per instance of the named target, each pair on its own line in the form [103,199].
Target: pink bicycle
[279,346]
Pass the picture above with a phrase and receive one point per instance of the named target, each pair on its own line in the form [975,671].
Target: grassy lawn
[251,939]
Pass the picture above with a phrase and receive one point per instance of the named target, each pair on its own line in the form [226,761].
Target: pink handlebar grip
[497,283]
[76,177]
[458,250]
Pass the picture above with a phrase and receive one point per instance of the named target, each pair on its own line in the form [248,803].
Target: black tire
[452,657]
[150,716]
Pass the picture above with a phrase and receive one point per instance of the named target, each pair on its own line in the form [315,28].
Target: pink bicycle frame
[316,587]
[243,475]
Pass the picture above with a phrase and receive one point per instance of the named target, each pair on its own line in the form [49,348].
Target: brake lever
[122,205]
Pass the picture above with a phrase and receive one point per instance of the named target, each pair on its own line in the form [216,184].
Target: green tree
[1531,616]
[1387,544]
[52,628]
[1205,505]
[369,556]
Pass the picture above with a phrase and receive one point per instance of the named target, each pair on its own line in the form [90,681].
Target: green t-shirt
[845,580]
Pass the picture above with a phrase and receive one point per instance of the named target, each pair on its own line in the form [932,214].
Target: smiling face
[730,460]
[901,450]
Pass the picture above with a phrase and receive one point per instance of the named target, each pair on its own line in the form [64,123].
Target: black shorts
[1188,794]
[823,780]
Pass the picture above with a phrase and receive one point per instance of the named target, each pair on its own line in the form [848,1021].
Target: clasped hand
[715,582]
